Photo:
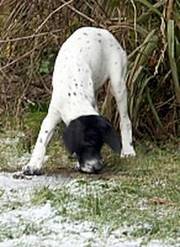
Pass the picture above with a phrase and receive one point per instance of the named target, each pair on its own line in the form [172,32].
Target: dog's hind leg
[117,76]
[38,155]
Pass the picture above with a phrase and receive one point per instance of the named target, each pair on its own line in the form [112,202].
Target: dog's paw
[130,152]
[31,170]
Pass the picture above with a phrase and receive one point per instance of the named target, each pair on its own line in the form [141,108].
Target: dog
[88,58]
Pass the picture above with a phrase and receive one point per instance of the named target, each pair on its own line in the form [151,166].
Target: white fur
[85,61]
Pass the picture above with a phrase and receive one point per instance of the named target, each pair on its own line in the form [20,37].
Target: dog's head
[85,137]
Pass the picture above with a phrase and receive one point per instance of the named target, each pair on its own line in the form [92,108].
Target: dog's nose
[92,166]
[98,166]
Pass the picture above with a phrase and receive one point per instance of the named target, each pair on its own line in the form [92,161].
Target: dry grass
[32,32]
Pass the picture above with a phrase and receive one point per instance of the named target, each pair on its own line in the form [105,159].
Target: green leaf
[171,44]
[150,6]
[44,67]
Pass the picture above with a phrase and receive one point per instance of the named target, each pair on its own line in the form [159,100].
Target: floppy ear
[68,139]
[110,136]
[72,136]
[112,139]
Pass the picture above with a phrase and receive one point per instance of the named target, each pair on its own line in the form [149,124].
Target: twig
[1,3]
[83,15]
[52,13]
[29,36]
[19,58]
[102,9]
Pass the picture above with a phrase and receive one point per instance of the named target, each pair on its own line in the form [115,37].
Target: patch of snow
[27,225]
[143,204]
[21,161]
[11,150]
[5,140]
[83,188]
[34,182]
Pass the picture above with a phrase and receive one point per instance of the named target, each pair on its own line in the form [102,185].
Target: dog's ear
[110,136]
[72,136]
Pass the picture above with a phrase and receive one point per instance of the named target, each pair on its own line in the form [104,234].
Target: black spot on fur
[99,34]
[87,41]
[69,94]
[99,41]
[46,131]
[85,34]
[74,94]
[76,84]
[40,140]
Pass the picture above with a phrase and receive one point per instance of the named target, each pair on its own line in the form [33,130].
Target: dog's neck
[76,111]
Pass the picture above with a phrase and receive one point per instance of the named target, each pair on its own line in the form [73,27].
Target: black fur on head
[85,137]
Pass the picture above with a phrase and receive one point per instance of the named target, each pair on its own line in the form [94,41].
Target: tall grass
[31,34]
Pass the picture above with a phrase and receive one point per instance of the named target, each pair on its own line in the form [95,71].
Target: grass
[1,193]
[26,228]
[140,196]
[11,150]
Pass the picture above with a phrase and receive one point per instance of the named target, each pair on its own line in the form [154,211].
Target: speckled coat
[85,61]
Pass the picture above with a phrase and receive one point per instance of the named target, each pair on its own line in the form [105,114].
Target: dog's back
[85,61]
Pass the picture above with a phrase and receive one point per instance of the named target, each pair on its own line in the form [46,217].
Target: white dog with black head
[88,58]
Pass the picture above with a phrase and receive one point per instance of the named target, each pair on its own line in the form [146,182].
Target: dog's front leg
[38,155]
[125,125]
[120,93]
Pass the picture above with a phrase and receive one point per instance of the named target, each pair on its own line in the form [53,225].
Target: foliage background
[31,33]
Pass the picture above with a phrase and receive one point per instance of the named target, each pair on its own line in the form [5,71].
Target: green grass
[140,195]
[12,147]
[26,228]
[1,192]
[17,140]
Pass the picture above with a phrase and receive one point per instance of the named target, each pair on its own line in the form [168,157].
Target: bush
[32,32]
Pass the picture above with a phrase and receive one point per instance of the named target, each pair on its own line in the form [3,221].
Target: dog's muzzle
[90,166]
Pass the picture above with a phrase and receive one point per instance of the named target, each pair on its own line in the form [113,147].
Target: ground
[133,202]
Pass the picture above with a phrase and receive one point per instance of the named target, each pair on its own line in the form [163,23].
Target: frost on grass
[107,205]
[12,154]
[58,211]
[24,223]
